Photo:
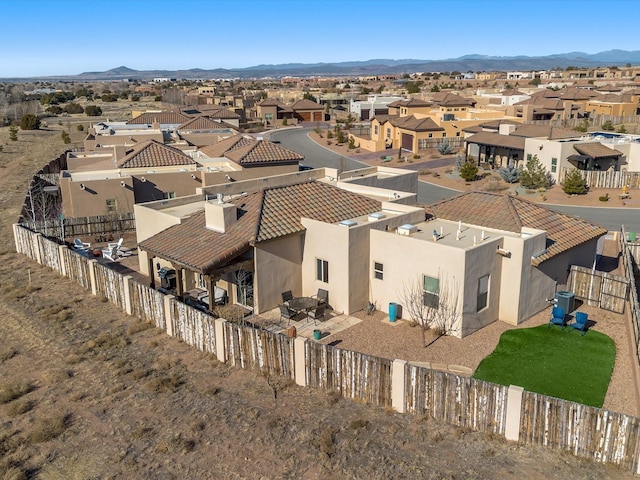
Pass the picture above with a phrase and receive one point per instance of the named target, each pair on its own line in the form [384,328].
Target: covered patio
[495,149]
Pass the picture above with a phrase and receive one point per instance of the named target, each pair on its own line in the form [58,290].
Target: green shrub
[604,198]
[66,139]
[80,127]
[574,183]
[445,148]
[29,122]
[509,174]
[534,175]
[469,171]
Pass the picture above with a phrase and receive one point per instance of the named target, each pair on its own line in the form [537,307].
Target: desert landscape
[87,392]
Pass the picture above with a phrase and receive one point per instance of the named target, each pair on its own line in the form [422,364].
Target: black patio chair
[286,296]
[322,296]
[316,314]
[286,312]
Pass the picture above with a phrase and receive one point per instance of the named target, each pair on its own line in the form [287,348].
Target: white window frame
[430,291]
[378,270]
[482,298]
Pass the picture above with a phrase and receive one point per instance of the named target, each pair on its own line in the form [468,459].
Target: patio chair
[557,317]
[316,314]
[111,253]
[116,245]
[322,296]
[580,322]
[80,246]
[286,312]
[286,296]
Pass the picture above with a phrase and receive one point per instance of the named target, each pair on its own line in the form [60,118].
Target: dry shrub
[7,353]
[176,444]
[139,373]
[333,397]
[15,473]
[19,407]
[143,432]
[11,391]
[45,429]
[326,441]
[58,376]
[169,383]
[495,184]
[138,327]
[358,424]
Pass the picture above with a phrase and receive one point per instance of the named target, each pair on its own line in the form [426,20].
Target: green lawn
[553,362]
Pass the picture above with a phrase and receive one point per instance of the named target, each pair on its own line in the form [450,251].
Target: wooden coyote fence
[524,417]
[457,400]
[599,289]
[605,179]
[629,262]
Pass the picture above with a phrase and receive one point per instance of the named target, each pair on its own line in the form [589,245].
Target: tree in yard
[534,174]
[608,126]
[509,174]
[352,143]
[29,122]
[469,170]
[73,107]
[65,137]
[622,129]
[432,303]
[13,133]
[435,88]
[308,96]
[340,138]
[584,125]
[574,183]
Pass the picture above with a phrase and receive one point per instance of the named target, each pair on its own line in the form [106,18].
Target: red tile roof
[416,124]
[248,151]
[200,123]
[596,150]
[262,215]
[161,117]
[155,154]
[306,104]
[509,213]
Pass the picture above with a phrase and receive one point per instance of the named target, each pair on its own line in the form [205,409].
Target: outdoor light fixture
[122,184]
[82,187]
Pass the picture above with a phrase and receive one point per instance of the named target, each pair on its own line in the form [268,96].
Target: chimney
[506,128]
[219,215]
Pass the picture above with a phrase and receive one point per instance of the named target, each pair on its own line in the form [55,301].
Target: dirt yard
[87,392]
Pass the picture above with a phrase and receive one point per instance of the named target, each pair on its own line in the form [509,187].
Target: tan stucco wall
[91,201]
[557,268]
[278,266]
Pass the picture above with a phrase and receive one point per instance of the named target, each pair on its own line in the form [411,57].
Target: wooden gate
[599,289]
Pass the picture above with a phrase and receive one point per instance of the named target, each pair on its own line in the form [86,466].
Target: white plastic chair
[80,246]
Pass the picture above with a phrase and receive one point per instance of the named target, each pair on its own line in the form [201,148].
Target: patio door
[244,288]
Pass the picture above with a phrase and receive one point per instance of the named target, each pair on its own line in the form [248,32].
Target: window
[444,134]
[483,292]
[375,129]
[388,133]
[554,165]
[457,134]
[431,135]
[322,270]
[202,282]
[431,294]
[529,157]
[268,116]
[112,205]
[378,269]
[168,195]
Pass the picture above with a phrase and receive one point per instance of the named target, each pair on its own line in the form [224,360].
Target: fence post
[63,267]
[37,237]
[514,409]
[219,328]
[16,226]
[300,368]
[128,307]
[92,276]
[398,393]
[168,313]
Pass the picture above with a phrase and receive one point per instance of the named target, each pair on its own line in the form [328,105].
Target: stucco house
[361,239]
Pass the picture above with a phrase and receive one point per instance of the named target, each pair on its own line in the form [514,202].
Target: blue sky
[49,37]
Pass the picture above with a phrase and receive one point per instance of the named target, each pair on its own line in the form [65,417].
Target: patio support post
[398,393]
[179,284]
[300,369]
[168,313]
[152,273]
[514,409]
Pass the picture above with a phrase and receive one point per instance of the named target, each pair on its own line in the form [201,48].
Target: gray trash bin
[565,300]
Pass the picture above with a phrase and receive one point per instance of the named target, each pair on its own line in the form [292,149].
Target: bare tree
[438,310]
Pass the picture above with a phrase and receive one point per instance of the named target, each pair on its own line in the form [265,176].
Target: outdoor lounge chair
[316,314]
[557,317]
[580,322]
[80,246]
[111,253]
[286,312]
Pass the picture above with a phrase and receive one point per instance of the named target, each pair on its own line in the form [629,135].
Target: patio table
[300,304]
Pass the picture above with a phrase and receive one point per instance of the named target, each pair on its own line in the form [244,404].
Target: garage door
[407,142]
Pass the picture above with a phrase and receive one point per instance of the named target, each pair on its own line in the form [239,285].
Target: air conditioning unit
[407,229]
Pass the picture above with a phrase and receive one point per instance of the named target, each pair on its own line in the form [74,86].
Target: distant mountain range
[474,62]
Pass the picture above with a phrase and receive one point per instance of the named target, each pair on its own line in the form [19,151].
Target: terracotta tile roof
[262,215]
[509,213]
[272,102]
[218,149]
[200,123]
[223,113]
[596,150]
[411,103]
[155,154]
[260,152]
[491,138]
[416,124]
[511,91]
[530,130]
[495,124]
[306,104]
[161,117]
[448,99]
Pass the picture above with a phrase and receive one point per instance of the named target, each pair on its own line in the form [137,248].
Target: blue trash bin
[393,310]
